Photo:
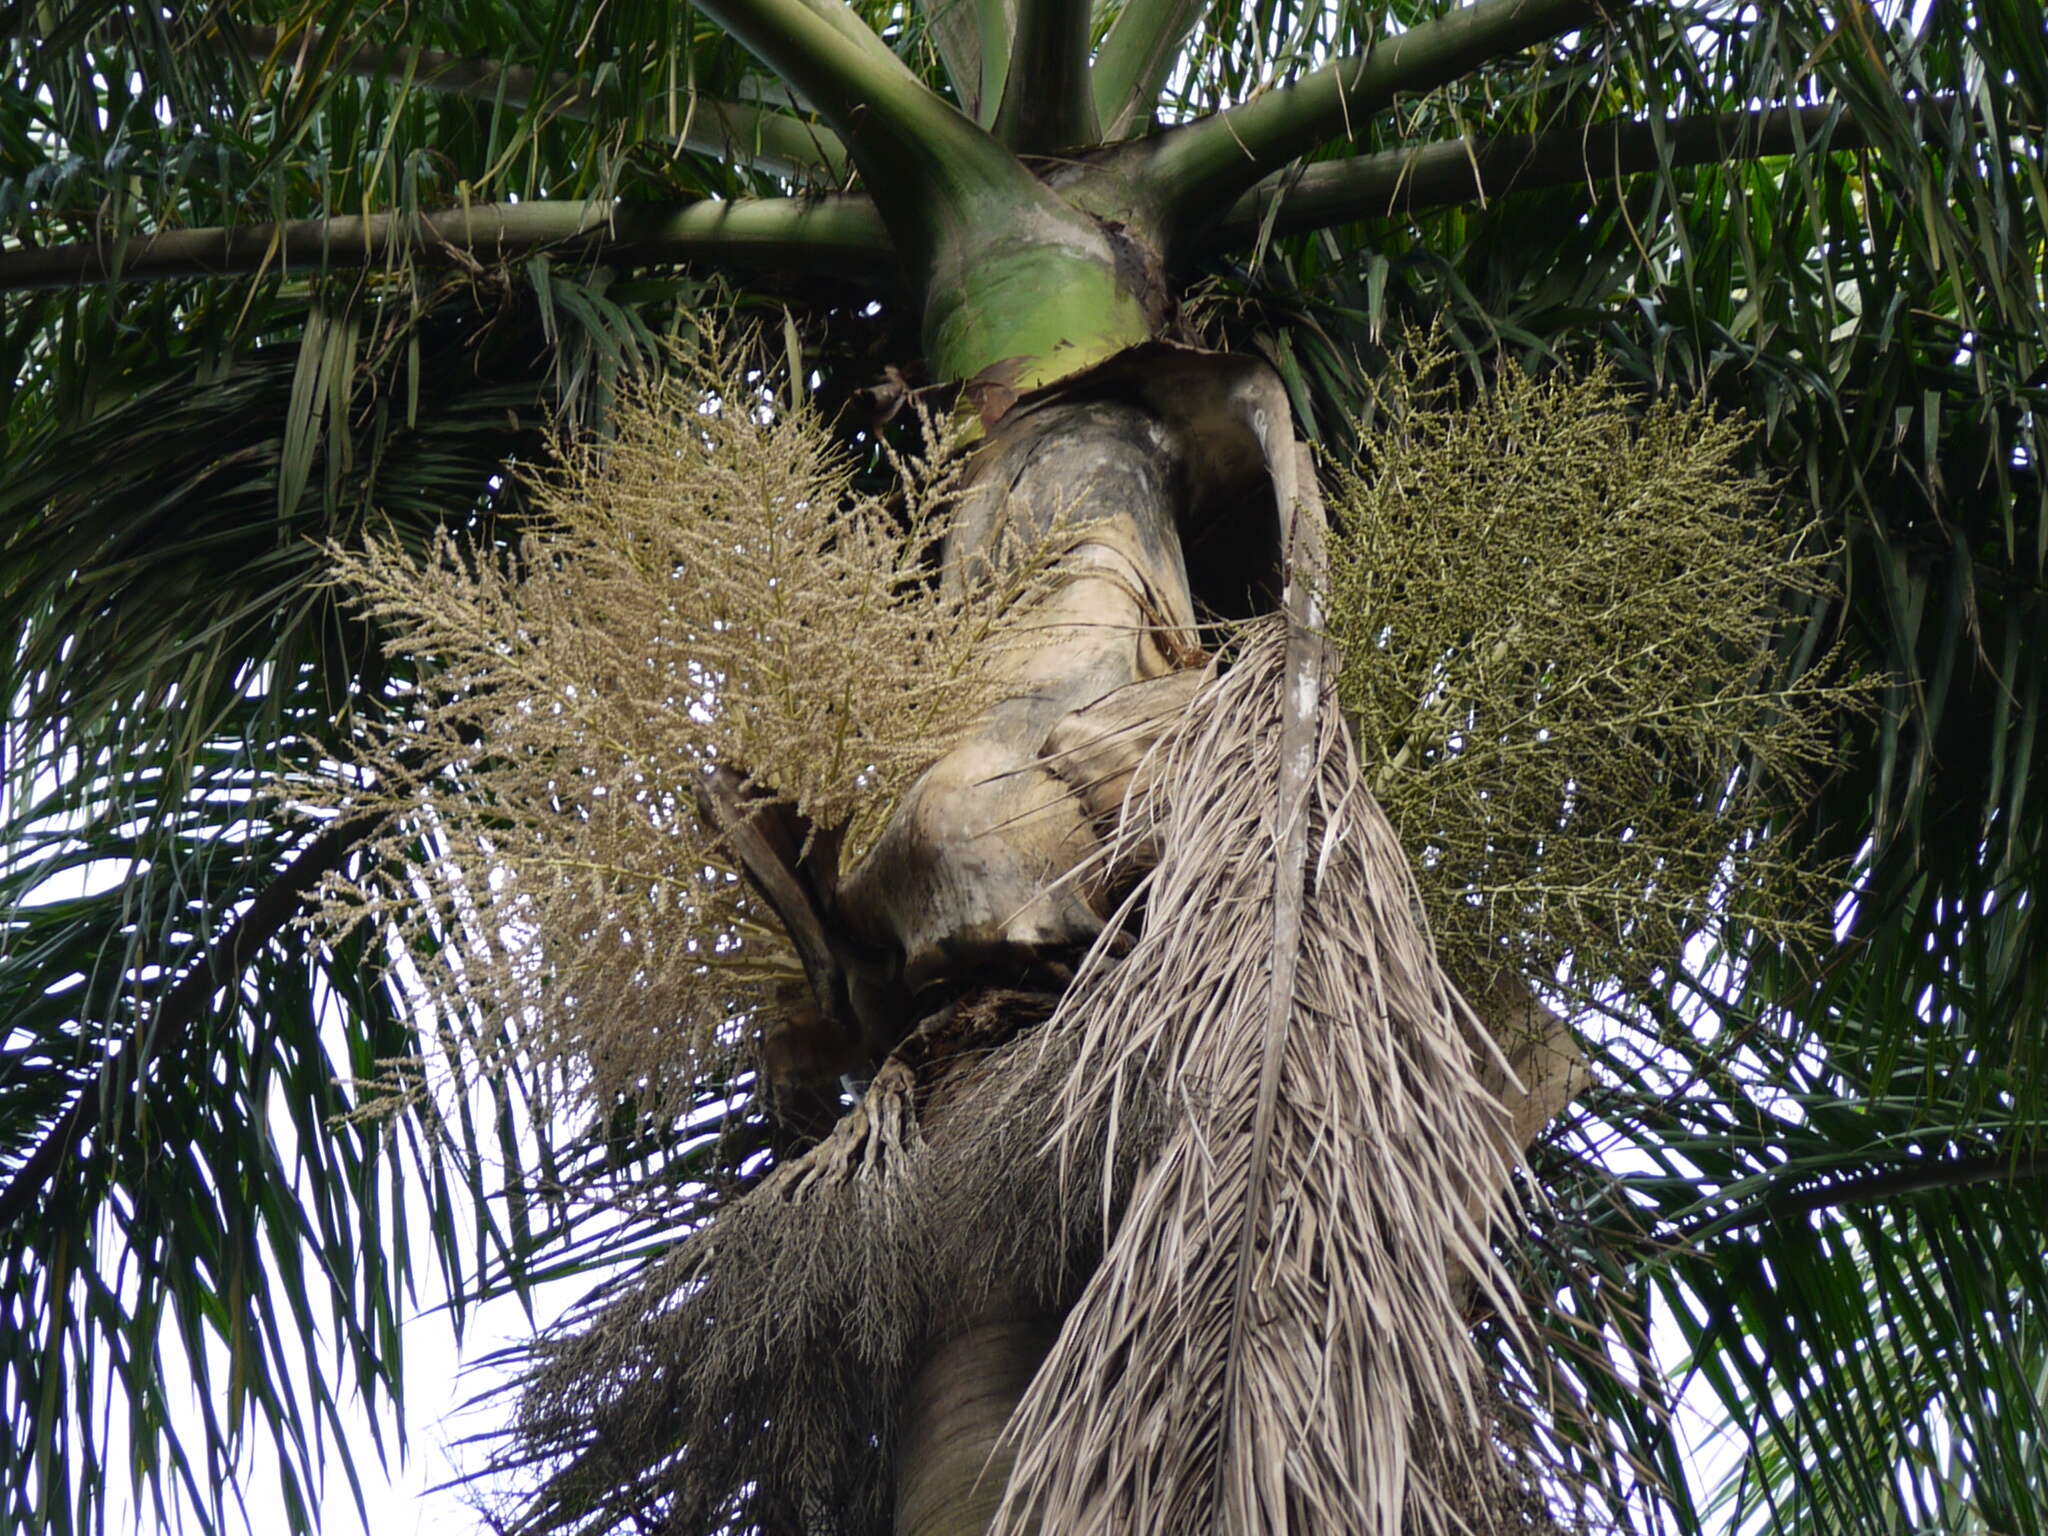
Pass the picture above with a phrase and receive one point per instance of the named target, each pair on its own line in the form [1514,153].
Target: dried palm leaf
[1277,1337]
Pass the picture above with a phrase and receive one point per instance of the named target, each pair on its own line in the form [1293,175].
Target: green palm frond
[176,634]
[1849,1247]
[171,646]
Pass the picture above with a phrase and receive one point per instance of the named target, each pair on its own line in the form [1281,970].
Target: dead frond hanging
[749,1381]
[746,1380]
[1560,620]
[705,588]
[1276,1338]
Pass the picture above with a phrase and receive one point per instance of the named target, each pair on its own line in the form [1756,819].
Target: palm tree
[274,282]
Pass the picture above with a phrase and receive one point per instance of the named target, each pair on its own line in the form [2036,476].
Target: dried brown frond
[1345,1395]
[1559,619]
[749,1381]
[705,587]
[747,1378]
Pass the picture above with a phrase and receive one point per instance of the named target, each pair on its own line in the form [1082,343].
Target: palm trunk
[967,884]
[966,887]
[951,1467]
[1143,471]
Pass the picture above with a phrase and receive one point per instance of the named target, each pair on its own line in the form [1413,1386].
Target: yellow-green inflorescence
[1561,619]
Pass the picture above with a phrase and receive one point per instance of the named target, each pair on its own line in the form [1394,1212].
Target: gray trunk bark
[1141,472]
[972,877]
[951,1468]
[989,874]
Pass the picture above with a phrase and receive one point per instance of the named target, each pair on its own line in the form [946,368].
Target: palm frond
[1276,1336]
[170,646]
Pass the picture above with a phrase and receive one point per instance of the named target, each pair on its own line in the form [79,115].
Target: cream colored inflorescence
[704,585]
